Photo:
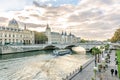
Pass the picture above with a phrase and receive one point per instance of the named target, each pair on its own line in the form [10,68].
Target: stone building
[14,35]
[60,38]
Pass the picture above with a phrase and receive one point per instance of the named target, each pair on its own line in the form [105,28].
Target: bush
[92,79]
[118,60]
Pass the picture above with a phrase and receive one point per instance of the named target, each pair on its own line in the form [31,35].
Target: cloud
[6,5]
[3,21]
[89,19]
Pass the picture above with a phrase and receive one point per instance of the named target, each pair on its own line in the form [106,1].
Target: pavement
[88,73]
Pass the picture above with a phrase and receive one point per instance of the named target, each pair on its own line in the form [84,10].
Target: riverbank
[8,49]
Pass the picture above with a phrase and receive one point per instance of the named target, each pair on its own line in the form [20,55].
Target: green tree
[116,36]
[83,41]
[96,51]
[107,46]
[40,38]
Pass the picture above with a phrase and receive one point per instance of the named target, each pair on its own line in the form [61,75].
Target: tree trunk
[95,60]
[98,58]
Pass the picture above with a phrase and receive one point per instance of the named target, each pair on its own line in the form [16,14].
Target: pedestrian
[104,68]
[116,62]
[112,71]
[116,72]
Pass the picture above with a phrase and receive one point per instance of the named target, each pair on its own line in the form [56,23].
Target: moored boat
[61,52]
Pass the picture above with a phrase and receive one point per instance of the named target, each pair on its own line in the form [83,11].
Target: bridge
[87,46]
[24,48]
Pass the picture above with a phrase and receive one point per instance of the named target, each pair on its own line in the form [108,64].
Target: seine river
[40,65]
[25,54]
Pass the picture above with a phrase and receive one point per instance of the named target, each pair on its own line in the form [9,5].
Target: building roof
[13,23]
[55,33]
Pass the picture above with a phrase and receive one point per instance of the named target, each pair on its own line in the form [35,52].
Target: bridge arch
[70,46]
[50,47]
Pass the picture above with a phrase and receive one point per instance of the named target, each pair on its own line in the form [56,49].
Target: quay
[87,73]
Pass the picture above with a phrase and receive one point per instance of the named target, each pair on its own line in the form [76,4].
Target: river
[39,65]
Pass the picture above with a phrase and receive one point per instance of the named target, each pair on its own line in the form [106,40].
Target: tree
[96,51]
[116,36]
[107,46]
[83,41]
[102,48]
[40,38]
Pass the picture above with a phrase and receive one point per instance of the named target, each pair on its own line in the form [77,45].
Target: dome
[13,23]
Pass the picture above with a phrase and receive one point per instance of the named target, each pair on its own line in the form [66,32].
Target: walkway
[88,73]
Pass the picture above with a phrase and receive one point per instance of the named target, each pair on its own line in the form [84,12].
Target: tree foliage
[40,38]
[95,51]
[107,46]
[83,41]
[116,36]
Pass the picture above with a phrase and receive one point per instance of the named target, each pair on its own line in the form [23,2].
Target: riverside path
[88,72]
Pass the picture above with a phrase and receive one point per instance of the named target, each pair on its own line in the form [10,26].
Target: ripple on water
[42,67]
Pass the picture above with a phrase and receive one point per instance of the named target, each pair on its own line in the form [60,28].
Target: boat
[61,52]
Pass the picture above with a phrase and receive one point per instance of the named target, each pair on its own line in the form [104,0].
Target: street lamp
[95,70]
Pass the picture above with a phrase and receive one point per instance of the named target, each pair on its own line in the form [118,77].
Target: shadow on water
[24,54]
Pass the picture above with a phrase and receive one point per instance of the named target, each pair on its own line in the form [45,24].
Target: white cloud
[6,5]
[89,17]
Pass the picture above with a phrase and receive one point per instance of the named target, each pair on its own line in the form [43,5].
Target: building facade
[12,34]
[60,38]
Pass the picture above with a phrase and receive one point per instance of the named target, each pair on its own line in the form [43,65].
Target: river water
[39,65]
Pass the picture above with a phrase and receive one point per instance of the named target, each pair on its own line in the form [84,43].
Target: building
[12,34]
[60,38]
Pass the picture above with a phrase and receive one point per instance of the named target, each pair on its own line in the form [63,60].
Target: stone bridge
[24,48]
[87,46]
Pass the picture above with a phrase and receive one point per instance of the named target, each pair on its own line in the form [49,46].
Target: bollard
[73,72]
[65,77]
[80,68]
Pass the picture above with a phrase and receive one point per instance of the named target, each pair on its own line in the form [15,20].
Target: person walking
[116,72]
[112,71]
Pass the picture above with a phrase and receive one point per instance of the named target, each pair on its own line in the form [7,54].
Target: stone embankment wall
[15,49]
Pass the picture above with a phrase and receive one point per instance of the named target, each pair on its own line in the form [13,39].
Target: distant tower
[65,37]
[48,34]
[70,35]
[62,40]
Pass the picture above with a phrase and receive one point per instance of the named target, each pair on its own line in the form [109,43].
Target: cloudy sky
[88,19]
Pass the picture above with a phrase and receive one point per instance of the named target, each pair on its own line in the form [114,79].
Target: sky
[88,19]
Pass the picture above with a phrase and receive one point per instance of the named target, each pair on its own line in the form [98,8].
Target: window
[7,28]
[9,40]
[3,28]
[5,40]
[13,35]
[20,41]
[5,35]
[13,40]
[0,41]
[9,35]
[0,34]
[20,35]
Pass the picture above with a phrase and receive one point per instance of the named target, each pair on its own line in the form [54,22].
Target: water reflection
[76,50]
[24,54]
